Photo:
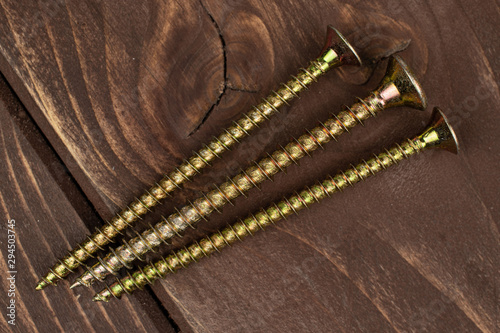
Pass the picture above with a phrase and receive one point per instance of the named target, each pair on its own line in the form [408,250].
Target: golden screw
[336,52]
[439,134]
[398,87]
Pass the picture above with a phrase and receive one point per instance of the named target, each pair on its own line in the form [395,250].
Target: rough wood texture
[34,197]
[124,91]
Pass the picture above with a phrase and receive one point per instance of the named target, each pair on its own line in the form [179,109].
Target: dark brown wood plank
[44,222]
[121,90]
[115,71]
[414,250]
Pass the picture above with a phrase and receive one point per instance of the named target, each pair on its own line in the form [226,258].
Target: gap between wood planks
[65,180]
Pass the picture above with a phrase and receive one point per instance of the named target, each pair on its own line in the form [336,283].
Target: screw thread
[187,169]
[255,222]
[190,214]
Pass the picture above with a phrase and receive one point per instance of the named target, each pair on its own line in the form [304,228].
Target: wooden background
[99,98]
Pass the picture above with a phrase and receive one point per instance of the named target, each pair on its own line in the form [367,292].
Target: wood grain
[45,222]
[115,71]
[124,91]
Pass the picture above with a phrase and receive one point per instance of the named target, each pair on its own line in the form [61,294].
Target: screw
[399,87]
[439,134]
[336,52]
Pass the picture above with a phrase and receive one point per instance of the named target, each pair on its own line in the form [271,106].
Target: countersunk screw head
[400,87]
[342,49]
[439,133]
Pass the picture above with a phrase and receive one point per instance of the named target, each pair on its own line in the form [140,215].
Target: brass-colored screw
[439,134]
[336,52]
[399,87]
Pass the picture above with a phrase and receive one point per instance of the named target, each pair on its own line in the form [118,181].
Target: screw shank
[190,167]
[259,221]
[267,167]
[189,215]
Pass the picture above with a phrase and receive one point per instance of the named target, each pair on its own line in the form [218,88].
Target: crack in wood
[224,68]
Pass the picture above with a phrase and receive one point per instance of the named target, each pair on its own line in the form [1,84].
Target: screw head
[337,47]
[439,133]
[400,87]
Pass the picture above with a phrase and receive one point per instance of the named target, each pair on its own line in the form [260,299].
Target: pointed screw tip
[76,284]
[98,298]
[41,284]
